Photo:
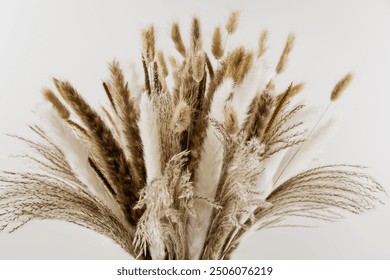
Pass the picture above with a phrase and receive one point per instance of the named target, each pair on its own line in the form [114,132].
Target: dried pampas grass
[184,171]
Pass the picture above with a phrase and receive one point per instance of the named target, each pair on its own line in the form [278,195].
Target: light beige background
[74,40]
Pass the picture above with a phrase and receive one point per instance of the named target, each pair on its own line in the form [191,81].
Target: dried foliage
[183,171]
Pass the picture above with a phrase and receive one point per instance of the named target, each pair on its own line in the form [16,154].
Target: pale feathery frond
[150,137]
[207,174]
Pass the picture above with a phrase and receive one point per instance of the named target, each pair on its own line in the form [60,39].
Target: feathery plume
[262,43]
[295,89]
[278,110]
[129,128]
[340,87]
[109,154]
[258,115]
[232,23]
[162,64]
[148,43]
[238,63]
[216,45]
[286,51]
[57,104]
[207,173]
[109,96]
[177,40]
[196,36]
[245,92]
[231,121]
[181,117]
[198,65]
[150,139]
[209,67]
[146,75]
[173,62]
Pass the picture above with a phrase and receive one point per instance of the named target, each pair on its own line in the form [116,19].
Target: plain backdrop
[75,40]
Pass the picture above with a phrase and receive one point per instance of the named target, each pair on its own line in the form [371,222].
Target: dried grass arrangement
[183,169]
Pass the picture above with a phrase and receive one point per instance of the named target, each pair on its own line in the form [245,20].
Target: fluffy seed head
[177,40]
[232,23]
[196,37]
[340,87]
[231,120]
[173,62]
[198,64]
[286,51]
[238,64]
[162,64]
[57,104]
[297,88]
[216,45]
[181,117]
[149,43]
[262,43]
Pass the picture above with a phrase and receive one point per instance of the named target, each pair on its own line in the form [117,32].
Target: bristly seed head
[62,111]
[181,117]
[232,23]
[340,87]
[177,40]
[196,37]
[198,65]
[286,51]
[162,64]
[238,62]
[262,43]
[148,43]
[231,120]
[216,46]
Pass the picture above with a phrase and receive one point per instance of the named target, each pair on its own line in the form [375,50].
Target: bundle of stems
[182,166]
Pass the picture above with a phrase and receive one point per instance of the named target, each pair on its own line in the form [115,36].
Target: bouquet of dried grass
[183,171]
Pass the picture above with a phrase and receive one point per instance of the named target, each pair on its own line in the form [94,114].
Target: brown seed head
[162,64]
[173,62]
[216,46]
[231,120]
[181,117]
[57,104]
[238,63]
[196,37]
[232,23]
[262,43]
[198,64]
[286,51]
[340,87]
[149,43]
[297,89]
[177,40]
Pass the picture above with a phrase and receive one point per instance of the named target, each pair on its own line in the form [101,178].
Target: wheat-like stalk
[183,171]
